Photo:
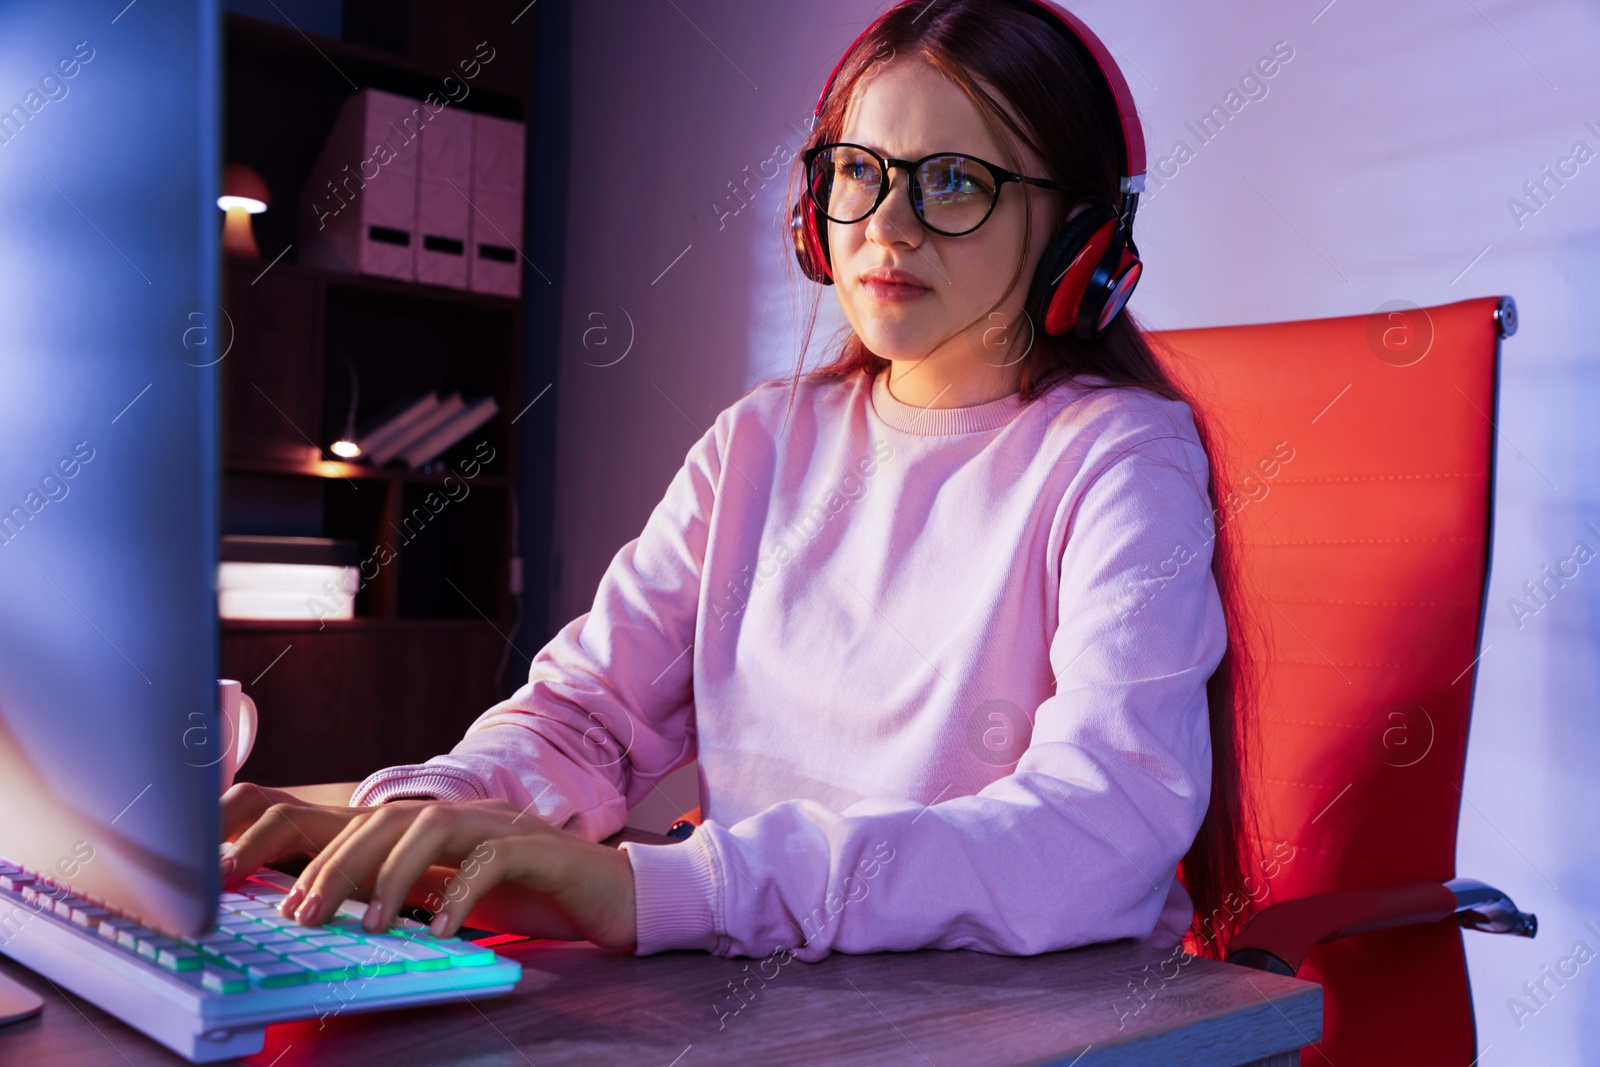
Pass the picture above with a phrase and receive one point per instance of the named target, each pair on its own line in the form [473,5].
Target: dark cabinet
[272,374]
[428,649]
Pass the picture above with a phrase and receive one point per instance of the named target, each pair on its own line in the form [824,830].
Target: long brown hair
[1069,121]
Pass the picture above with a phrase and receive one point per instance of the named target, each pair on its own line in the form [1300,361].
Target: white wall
[1377,167]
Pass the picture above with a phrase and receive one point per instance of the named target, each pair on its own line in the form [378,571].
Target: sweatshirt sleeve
[1079,844]
[608,708]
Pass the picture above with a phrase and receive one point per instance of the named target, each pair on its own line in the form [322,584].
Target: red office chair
[1365,555]
[1365,559]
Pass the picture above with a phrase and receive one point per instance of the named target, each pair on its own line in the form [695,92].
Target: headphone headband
[1081,37]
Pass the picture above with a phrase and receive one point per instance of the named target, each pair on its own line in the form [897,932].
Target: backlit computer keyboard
[210,998]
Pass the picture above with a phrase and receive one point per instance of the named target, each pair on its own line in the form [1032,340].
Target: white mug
[240,723]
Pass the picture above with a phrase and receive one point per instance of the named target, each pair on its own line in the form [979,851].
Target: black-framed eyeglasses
[951,193]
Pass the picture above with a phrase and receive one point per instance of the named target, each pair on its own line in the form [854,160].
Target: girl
[942,620]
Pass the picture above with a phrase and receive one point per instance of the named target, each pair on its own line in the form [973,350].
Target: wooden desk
[578,1004]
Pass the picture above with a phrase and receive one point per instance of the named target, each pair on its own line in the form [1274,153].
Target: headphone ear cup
[1109,285]
[810,242]
[1066,267]
[1121,286]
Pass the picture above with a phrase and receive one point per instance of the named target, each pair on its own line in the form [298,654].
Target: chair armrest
[1279,938]
[1483,907]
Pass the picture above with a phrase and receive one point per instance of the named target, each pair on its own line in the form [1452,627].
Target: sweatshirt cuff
[417,779]
[675,890]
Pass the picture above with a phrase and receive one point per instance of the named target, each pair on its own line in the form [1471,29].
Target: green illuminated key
[464,953]
[327,941]
[417,957]
[218,943]
[371,961]
[150,947]
[323,966]
[277,974]
[266,938]
[179,958]
[241,960]
[128,937]
[224,980]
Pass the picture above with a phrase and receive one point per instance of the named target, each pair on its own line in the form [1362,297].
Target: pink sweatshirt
[943,669]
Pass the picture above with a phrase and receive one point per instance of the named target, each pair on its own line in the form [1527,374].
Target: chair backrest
[1359,454]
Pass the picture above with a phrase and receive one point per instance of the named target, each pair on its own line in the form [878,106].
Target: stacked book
[422,429]
[287,578]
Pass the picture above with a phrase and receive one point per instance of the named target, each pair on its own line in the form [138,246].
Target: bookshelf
[427,649]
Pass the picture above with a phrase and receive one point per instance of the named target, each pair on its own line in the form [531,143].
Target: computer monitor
[109,361]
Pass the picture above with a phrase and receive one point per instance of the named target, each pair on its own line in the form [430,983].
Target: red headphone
[1091,266]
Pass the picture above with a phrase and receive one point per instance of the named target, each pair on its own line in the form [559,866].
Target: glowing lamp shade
[243,194]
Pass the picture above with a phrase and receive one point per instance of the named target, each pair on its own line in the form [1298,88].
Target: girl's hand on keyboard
[548,882]
[268,825]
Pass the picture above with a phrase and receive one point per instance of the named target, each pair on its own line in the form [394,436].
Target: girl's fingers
[502,859]
[545,886]
[284,829]
[308,876]
[512,908]
[442,834]
[347,866]
[389,848]
[243,804]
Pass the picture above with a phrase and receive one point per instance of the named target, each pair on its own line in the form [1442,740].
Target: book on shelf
[441,440]
[439,414]
[391,422]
